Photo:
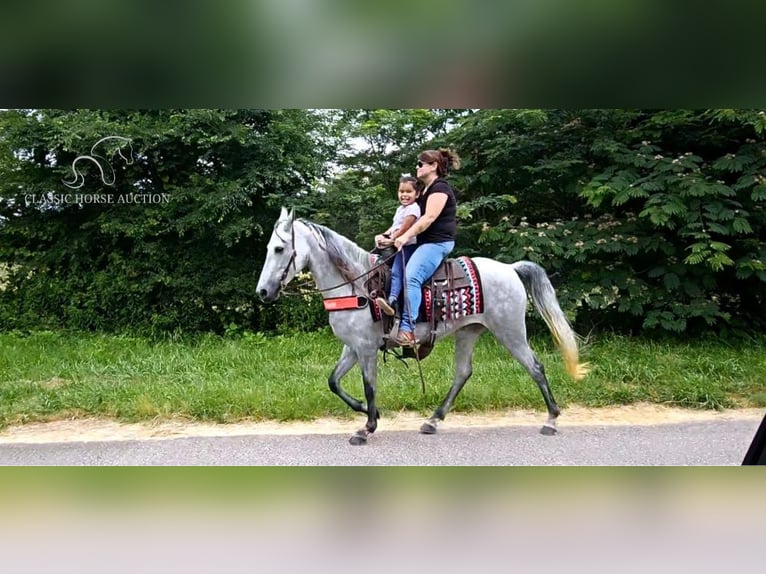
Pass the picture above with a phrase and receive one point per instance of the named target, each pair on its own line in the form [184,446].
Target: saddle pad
[461,298]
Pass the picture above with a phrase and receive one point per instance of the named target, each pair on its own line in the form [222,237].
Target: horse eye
[279,249]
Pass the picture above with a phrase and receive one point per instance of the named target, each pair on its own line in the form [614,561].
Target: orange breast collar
[345,303]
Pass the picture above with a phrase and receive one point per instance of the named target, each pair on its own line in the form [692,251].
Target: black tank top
[444,228]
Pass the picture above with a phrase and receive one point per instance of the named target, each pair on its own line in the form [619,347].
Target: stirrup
[394,332]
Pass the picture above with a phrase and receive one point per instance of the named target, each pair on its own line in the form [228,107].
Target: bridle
[291,261]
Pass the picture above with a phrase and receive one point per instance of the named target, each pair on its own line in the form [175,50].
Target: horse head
[280,266]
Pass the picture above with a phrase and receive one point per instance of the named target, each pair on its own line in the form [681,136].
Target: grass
[51,375]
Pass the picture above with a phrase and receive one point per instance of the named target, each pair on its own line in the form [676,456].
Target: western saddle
[448,277]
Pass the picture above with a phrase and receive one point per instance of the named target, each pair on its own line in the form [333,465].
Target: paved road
[694,443]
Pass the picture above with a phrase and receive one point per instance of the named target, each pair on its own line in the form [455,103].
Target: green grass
[50,375]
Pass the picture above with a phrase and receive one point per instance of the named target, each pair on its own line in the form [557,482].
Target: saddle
[452,292]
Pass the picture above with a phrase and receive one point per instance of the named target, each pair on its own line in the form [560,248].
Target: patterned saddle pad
[453,292]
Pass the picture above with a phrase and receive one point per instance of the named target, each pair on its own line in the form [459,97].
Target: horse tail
[536,281]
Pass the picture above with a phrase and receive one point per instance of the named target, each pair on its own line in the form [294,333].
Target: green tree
[189,257]
[647,219]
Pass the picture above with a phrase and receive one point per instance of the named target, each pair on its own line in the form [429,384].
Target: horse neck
[324,270]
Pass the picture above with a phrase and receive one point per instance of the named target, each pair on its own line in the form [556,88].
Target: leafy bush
[187,261]
[655,223]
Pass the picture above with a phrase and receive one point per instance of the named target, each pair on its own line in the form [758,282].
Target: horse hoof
[428,428]
[548,430]
[359,438]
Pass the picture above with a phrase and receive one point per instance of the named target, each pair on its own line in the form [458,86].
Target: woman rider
[435,231]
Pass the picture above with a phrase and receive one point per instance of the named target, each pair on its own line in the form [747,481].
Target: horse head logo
[101,161]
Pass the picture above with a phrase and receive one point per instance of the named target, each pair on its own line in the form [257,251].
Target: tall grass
[52,375]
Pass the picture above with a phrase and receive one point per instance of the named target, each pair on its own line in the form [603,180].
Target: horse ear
[286,217]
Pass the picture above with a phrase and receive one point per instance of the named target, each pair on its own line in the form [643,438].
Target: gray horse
[336,263]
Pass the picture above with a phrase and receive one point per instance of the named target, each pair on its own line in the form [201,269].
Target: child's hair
[411,179]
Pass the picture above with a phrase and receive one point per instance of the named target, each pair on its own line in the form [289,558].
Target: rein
[416,346]
[348,282]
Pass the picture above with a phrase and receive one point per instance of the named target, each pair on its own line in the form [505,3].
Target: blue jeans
[421,265]
[396,271]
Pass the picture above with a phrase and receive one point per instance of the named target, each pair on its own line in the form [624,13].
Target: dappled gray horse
[336,263]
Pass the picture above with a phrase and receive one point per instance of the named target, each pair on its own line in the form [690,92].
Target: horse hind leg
[537,372]
[522,352]
[465,341]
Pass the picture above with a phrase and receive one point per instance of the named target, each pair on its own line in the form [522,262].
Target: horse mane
[350,259]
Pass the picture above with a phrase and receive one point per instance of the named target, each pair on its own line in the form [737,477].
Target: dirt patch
[107,430]
[54,383]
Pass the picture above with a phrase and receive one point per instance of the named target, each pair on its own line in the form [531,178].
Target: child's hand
[382,241]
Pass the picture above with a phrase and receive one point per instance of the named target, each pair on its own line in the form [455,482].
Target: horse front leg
[369,365]
[345,363]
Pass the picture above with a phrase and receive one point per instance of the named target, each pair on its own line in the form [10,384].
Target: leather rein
[305,284]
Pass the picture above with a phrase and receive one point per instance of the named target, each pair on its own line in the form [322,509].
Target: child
[406,214]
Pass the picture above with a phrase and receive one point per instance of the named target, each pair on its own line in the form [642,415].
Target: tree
[187,255]
[648,219]
[645,219]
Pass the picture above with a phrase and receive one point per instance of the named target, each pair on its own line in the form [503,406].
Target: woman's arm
[434,206]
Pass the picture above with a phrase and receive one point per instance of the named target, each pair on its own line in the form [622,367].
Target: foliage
[646,219]
[188,259]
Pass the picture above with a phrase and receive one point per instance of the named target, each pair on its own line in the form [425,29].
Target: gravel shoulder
[93,429]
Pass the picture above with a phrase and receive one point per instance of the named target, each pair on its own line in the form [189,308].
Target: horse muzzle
[268,295]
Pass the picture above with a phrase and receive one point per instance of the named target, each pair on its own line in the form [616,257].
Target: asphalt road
[717,443]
